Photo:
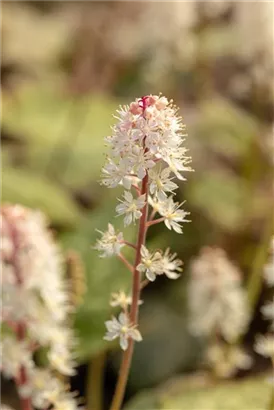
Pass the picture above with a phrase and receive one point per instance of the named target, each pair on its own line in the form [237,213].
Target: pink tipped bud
[161,103]
[135,109]
[152,99]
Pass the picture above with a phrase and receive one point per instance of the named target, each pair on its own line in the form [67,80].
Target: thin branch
[151,216]
[156,221]
[126,262]
[137,189]
[144,283]
[131,245]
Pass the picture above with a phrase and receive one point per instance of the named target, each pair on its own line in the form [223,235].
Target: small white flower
[141,161]
[225,360]
[14,355]
[151,263]
[173,214]
[123,329]
[160,183]
[110,243]
[60,359]
[114,174]
[131,207]
[264,345]
[122,300]
[170,265]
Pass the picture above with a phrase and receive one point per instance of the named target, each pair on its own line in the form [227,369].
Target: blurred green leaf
[64,135]
[223,128]
[23,187]
[220,196]
[252,394]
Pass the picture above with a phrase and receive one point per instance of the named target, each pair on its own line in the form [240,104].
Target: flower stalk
[36,306]
[146,149]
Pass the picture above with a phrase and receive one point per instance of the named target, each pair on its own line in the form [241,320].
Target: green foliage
[63,135]
[23,187]
[221,197]
[223,128]
[251,394]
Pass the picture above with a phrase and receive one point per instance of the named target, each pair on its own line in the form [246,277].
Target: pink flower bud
[135,109]
[161,103]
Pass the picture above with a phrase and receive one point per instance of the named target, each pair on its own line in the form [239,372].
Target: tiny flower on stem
[123,329]
[150,263]
[122,300]
[130,207]
[173,215]
[110,243]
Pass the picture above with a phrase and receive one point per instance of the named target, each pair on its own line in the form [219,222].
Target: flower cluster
[217,300]
[219,311]
[226,359]
[148,131]
[265,344]
[35,308]
[147,153]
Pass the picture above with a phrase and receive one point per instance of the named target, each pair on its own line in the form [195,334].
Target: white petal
[123,342]
[151,276]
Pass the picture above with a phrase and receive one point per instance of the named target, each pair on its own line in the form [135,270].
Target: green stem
[255,282]
[95,382]
[136,289]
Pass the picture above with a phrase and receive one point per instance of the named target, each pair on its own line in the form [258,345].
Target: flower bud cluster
[35,308]
[147,153]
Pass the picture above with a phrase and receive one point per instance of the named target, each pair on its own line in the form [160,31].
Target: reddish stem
[131,245]
[156,221]
[126,262]
[136,289]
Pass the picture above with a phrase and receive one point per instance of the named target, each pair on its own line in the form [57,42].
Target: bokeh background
[66,67]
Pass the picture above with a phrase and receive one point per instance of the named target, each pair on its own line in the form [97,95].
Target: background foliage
[66,66]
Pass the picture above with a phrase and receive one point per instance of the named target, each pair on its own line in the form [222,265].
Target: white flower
[217,300]
[60,359]
[36,299]
[173,214]
[110,243]
[170,265]
[123,329]
[14,355]
[151,263]
[122,300]
[114,174]
[160,183]
[225,360]
[130,207]
[141,161]
[264,345]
